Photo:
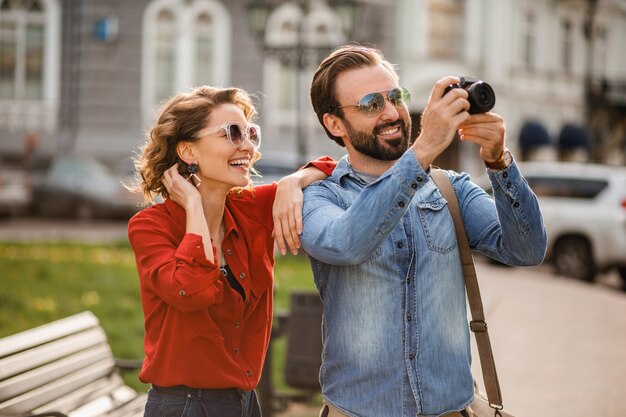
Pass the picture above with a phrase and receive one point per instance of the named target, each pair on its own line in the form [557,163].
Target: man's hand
[443,115]
[487,130]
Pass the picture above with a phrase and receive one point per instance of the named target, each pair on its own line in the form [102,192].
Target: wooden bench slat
[105,403]
[43,354]
[65,367]
[133,406]
[62,386]
[49,373]
[27,339]
[82,395]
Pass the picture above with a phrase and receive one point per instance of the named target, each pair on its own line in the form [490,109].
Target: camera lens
[482,98]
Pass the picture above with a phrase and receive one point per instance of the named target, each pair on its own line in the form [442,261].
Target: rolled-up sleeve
[508,227]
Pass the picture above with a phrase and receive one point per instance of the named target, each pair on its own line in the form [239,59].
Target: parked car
[15,191]
[584,210]
[84,188]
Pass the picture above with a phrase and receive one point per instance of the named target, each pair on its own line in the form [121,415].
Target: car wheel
[622,273]
[573,258]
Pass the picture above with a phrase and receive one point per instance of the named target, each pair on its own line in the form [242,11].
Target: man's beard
[383,150]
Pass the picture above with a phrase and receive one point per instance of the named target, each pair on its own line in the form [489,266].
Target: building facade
[87,76]
[547,60]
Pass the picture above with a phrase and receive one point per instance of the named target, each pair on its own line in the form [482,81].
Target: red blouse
[199,331]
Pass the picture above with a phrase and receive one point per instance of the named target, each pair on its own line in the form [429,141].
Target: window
[445,28]
[567,46]
[600,50]
[29,63]
[186,44]
[164,55]
[528,41]
[566,187]
[204,50]
[21,50]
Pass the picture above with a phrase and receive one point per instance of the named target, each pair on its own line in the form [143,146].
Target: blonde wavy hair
[179,119]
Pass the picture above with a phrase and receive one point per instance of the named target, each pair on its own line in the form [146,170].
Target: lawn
[44,282]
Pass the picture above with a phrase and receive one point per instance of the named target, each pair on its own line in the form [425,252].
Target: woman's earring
[192,177]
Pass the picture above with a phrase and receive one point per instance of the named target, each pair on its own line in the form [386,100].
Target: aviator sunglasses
[374,103]
[237,133]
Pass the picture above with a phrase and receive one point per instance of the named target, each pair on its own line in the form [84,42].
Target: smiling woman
[205,256]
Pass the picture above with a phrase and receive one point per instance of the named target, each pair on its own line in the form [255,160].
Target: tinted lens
[235,134]
[398,96]
[254,133]
[372,103]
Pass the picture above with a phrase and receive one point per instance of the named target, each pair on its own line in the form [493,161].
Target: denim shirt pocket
[437,225]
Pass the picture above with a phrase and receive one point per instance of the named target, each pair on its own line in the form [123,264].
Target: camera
[482,98]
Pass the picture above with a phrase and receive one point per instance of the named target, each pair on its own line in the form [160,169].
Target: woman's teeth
[240,162]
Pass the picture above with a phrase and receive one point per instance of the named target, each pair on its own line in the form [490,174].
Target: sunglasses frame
[405,98]
[244,131]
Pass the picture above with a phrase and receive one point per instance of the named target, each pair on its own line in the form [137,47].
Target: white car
[584,211]
[15,191]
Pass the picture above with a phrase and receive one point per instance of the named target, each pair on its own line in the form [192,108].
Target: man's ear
[334,124]
[185,152]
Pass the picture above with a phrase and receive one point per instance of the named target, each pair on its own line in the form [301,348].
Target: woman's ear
[334,124]
[185,153]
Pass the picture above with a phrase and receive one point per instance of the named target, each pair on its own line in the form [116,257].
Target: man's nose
[390,112]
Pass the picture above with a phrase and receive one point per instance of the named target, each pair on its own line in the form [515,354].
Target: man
[382,243]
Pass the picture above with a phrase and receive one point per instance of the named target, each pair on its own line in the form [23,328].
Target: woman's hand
[287,214]
[179,189]
[188,197]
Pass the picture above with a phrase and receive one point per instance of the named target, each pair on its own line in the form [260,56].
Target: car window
[566,187]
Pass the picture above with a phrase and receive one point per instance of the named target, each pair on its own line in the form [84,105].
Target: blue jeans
[182,401]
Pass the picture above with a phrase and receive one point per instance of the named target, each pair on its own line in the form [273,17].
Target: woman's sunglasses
[237,133]
[374,103]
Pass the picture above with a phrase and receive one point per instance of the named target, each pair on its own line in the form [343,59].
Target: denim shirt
[385,261]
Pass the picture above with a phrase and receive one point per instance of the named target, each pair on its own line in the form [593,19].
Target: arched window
[186,44]
[529,31]
[204,44]
[165,44]
[29,63]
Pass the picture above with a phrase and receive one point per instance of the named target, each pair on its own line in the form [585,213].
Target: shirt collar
[342,170]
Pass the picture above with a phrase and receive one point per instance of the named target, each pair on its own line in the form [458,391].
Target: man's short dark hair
[347,57]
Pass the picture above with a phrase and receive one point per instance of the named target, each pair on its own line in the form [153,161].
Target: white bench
[65,368]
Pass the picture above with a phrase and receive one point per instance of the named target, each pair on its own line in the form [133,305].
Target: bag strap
[478,324]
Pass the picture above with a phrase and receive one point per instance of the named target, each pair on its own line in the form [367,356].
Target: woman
[205,255]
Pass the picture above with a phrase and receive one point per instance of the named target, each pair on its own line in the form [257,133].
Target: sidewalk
[559,345]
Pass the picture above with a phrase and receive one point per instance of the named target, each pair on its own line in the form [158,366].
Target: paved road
[560,345]
[33,229]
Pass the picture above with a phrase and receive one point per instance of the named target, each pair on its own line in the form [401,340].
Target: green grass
[40,283]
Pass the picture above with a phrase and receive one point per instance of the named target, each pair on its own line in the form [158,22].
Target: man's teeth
[390,131]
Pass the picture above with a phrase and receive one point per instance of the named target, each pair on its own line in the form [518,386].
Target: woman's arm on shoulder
[287,209]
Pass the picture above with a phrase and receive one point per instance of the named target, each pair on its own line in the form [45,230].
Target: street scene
[108,108]
[557,341]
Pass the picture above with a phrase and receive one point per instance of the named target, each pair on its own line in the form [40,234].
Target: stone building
[87,76]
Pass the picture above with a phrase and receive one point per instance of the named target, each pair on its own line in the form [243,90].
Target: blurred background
[81,81]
